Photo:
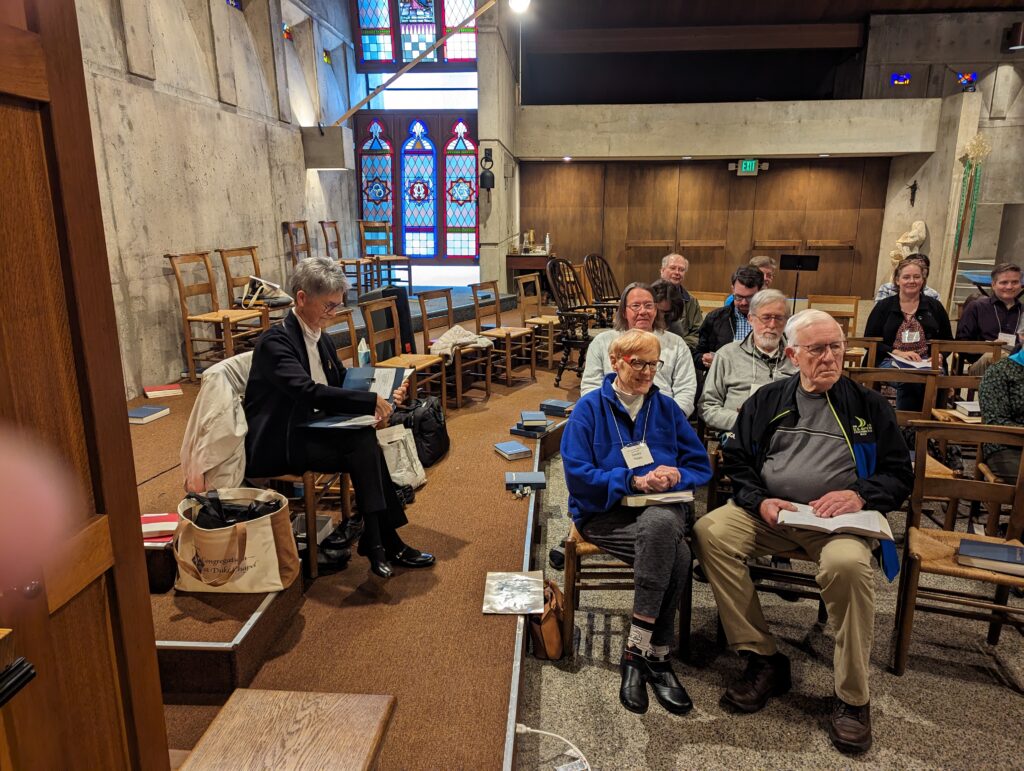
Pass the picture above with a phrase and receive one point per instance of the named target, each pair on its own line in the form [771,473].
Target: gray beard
[766,345]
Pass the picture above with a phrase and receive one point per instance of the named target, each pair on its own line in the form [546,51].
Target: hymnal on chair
[383,381]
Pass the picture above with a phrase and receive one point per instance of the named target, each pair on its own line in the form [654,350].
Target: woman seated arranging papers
[1002,404]
[629,439]
[296,373]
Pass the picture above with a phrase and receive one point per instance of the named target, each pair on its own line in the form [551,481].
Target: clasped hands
[384,409]
[827,506]
[657,481]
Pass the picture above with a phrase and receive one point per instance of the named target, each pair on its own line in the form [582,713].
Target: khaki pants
[728,536]
[978,368]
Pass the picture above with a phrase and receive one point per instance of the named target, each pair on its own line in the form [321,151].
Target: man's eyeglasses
[330,309]
[637,307]
[739,298]
[640,365]
[817,351]
[771,318]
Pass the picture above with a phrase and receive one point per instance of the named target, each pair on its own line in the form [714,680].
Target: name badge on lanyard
[636,455]
[1007,339]
[911,336]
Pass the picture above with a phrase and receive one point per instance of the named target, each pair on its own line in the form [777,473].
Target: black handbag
[426,419]
[213,513]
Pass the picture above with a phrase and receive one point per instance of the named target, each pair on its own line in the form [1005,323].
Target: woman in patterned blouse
[1002,404]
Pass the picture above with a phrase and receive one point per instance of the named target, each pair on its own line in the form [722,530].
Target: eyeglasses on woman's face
[639,365]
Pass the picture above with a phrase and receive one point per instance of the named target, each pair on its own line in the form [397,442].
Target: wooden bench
[294,730]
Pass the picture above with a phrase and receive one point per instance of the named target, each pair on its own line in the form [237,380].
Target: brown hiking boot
[849,727]
[764,677]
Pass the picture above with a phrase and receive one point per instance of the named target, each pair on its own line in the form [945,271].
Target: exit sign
[747,167]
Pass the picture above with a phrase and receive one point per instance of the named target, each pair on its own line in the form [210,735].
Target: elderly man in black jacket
[820,439]
[296,376]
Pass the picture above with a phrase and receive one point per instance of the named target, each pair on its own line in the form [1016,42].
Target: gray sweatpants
[653,541]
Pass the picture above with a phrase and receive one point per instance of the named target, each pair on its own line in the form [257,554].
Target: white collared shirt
[311,338]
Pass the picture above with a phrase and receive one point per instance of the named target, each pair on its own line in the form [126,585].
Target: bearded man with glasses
[740,369]
[676,376]
[820,439]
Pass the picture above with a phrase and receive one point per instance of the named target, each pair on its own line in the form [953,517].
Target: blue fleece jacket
[595,471]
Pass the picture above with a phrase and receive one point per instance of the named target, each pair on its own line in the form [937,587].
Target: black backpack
[426,419]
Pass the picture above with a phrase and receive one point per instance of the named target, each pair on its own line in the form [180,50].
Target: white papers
[359,421]
[514,593]
[868,523]
[908,364]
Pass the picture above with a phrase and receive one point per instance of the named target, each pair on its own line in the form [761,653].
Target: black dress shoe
[409,557]
[633,691]
[667,689]
[379,564]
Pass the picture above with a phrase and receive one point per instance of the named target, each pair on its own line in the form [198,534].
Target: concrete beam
[220,23]
[729,130]
[138,39]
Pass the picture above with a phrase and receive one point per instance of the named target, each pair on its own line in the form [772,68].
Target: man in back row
[729,323]
[686,320]
[996,317]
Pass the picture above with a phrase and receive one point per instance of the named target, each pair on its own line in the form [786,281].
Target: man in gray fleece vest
[740,368]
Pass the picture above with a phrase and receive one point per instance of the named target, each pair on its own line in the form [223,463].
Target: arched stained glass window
[418,28]
[460,47]
[419,199]
[460,193]
[377,157]
[375,30]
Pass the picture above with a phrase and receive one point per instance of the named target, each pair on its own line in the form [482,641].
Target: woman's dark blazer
[281,396]
[886,318]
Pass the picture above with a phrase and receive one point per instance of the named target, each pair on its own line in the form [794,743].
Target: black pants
[356,452]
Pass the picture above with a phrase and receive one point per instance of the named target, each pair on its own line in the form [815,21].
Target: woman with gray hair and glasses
[675,375]
[295,375]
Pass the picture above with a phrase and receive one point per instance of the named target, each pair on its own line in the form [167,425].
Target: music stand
[798,262]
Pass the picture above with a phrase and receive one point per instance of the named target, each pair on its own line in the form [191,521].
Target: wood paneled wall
[630,213]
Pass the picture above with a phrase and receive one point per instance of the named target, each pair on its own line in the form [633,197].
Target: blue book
[382,380]
[532,432]
[532,418]
[559,408]
[141,415]
[513,450]
[535,480]
[997,557]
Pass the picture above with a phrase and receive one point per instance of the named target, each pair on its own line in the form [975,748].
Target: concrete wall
[197,146]
[931,47]
[497,40]
[726,130]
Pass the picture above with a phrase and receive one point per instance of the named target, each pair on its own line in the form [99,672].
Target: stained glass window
[460,193]
[419,29]
[376,176]
[375,30]
[419,201]
[460,47]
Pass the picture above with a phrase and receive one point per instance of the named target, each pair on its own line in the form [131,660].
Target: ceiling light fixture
[1013,37]
[687,157]
[566,158]
[824,155]
[519,6]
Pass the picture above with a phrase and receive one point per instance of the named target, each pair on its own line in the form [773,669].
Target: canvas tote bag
[249,557]
[399,447]
[546,628]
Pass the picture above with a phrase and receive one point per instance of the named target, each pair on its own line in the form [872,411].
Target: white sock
[639,639]
[659,652]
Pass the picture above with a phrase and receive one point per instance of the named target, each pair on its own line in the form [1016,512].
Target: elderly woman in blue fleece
[629,439]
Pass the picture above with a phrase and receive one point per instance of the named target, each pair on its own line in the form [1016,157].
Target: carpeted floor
[959,705]
[420,636]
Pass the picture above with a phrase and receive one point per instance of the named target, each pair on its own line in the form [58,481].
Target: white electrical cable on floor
[522,729]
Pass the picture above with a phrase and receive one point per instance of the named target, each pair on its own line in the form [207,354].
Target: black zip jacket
[718,329]
[886,318]
[885,473]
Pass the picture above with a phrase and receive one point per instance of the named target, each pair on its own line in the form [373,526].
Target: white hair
[767,297]
[668,258]
[803,319]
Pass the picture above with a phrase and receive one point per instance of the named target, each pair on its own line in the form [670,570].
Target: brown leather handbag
[546,627]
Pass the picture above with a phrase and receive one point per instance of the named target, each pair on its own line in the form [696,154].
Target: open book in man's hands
[867,523]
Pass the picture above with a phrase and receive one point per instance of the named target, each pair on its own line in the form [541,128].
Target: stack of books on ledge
[556,408]
[997,557]
[532,425]
[970,412]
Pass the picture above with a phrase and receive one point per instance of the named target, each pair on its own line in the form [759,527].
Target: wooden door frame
[52,74]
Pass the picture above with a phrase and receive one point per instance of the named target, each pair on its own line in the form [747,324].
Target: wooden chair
[232,328]
[934,552]
[296,240]
[876,377]
[513,346]
[581,278]
[609,575]
[532,316]
[602,280]
[866,347]
[360,272]
[239,264]
[575,314]
[842,308]
[377,243]
[316,488]
[427,369]
[708,301]
[469,365]
[958,356]
[349,352]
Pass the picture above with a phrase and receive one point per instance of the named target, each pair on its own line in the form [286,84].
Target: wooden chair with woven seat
[958,356]
[427,369]
[316,488]
[296,240]
[360,272]
[233,329]
[602,280]
[609,575]
[934,552]
[578,318]
[709,301]
[470,365]
[843,308]
[531,315]
[240,264]
[513,346]
[376,242]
